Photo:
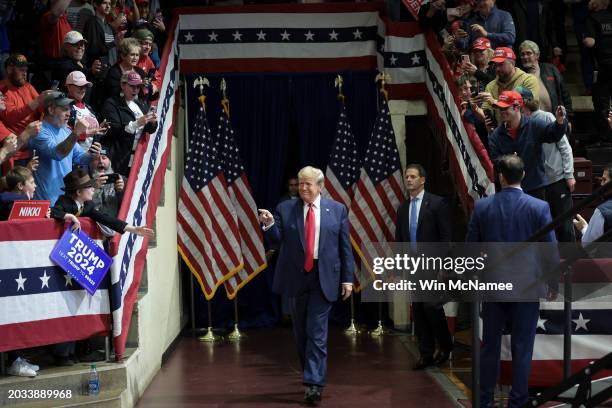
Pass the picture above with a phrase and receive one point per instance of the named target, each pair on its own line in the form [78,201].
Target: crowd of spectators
[78,92]
[500,45]
[508,58]
[90,85]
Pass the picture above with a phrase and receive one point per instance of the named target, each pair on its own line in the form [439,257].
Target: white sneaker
[21,368]
[34,367]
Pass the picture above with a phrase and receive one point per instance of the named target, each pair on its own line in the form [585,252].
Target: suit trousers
[310,312]
[430,326]
[522,320]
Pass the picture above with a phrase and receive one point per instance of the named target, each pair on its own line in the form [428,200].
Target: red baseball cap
[509,98]
[456,25]
[481,43]
[502,54]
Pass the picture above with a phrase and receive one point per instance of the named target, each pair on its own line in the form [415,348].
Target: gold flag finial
[200,82]
[338,82]
[383,78]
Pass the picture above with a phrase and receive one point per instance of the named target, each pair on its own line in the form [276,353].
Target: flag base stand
[380,330]
[236,334]
[352,330]
[210,336]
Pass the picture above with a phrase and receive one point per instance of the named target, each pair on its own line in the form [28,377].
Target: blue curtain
[282,122]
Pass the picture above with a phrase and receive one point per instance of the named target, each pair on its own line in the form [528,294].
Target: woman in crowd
[129,119]
[129,54]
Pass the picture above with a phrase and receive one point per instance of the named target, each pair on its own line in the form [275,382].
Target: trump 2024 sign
[82,259]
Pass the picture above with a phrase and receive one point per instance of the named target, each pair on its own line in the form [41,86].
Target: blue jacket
[508,216]
[335,252]
[513,216]
[528,145]
[499,26]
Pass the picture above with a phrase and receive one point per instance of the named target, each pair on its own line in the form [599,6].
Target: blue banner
[82,259]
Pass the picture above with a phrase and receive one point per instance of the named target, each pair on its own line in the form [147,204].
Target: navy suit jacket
[513,216]
[335,252]
[509,216]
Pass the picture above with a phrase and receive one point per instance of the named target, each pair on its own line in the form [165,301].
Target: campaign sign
[82,258]
[27,209]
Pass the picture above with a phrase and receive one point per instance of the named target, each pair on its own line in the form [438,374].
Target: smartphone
[465,58]
[55,85]
[96,138]
[112,178]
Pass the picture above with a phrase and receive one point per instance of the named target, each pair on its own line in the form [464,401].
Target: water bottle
[94,381]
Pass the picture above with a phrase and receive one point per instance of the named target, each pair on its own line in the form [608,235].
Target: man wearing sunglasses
[57,148]
[72,59]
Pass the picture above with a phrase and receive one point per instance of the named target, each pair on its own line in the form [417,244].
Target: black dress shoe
[441,358]
[423,363]
[312,395]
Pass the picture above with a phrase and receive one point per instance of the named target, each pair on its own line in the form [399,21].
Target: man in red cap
[480,65]
[523,136]
[508,77]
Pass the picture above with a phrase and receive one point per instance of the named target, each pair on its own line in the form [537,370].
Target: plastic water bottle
[94,381]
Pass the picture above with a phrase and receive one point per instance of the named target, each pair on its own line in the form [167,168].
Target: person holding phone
[110,185]
[77,85]
[129,120]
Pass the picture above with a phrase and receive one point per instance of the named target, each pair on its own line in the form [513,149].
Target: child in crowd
[20,186]
[77,201]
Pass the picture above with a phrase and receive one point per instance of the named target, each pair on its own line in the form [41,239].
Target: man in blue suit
[508,216]
[315,256]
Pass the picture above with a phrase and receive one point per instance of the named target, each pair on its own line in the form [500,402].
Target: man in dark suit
[315,256]
[425,218]
[509,216]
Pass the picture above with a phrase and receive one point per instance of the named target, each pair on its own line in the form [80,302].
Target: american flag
[342,171]
[40,304]
[380,189]
[251,239]
[208,233]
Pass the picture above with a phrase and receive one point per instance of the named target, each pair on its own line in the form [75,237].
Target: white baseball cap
[74,37]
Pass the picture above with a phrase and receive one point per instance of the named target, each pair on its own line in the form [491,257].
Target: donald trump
[315,265]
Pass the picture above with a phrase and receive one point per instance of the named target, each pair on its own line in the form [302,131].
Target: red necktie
[309,235]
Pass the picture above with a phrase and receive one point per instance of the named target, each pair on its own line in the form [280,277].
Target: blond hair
[312,172]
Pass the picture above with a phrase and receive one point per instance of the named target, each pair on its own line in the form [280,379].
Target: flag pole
[210,336]
[236,335]
[352,330]
[380,330]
